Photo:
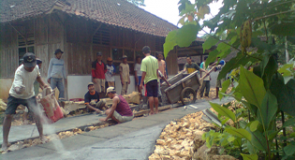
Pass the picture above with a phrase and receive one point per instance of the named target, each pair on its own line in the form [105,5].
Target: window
[129,54]
[101,35]
[25,43]
[117,54]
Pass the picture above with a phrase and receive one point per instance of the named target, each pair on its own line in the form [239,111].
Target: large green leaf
[242,133]
[186,35]
[269,70]
[268,109]
[170,42]
[223,111]
[251,87]
[289,150]
[212,57]
[210,42]
[284,28]
[225,86]
[287,98]
[249,156]
[258,140]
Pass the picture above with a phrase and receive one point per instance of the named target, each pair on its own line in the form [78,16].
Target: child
[138,73]
[124,75]
[109,75]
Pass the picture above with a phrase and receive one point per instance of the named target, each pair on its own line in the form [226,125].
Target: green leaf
[212,57]
[186,35]
[259,141]
[251,87]
[242,133]
[223,111]
[181,21]
[289,150]
[188,8]
[269,70]
[249,156]
[170,42]
[288,28]
[225,86]
[287,98]
[289,122]
[254,125]
[210,42]
[268,109]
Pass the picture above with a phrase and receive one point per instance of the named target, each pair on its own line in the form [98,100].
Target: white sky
[168,10]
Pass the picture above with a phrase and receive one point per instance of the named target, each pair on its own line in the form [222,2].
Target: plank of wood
[142,112]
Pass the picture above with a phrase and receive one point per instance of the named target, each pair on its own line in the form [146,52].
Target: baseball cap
[58,51]
[39,61]
[98,54]
[109,59]
[29,60]
[111,90]
[90,83]
[124,57]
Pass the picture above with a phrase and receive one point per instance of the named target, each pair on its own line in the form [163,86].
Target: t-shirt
[149,65]
[124,69]
[36,87]
[162,66]
[26,79]
[56,68]
[137,69]
[91,97]
[203,66]
[98,69]
[109,74]
[190,68]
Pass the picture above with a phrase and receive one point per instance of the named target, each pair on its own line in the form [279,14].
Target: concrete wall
[5,85]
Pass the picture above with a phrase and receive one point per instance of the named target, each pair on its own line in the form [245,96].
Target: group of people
[216,66]
[150,72]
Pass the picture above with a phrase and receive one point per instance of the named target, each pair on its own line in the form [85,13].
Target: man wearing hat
[110,73]
[92,101]
[120,110]
[56,74]
[22,93]
[98,73]
[124,75]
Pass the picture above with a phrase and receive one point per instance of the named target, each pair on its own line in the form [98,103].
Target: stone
[161,142]
[198,141]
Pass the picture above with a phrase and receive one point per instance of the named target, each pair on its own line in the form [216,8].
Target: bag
[51,106]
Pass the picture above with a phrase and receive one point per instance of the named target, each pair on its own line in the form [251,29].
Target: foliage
[257,32]
[137,2]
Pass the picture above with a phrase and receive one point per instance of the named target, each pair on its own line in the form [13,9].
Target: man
[56,73]
[110,73]
[138,73]
[98,73]
[149,68]
[124,75]
[120,110]
[92,101]
[22,93]
[190,67]
[206,80]
[219,82]
[162,65]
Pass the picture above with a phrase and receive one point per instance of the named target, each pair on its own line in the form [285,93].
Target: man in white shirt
[138,73]
[22,93]
[109,75]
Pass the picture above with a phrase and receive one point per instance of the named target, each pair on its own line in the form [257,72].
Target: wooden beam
[19,33]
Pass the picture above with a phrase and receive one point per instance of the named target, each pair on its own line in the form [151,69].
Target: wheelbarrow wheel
[188,96]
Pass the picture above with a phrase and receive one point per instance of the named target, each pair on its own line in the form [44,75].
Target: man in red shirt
[98,73]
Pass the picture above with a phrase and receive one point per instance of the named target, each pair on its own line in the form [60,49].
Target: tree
[257,30]
[137,2]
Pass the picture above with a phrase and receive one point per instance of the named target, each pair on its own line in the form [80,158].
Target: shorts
[219,83]
[139,80]
[122,118]
[152,88]
[13,103]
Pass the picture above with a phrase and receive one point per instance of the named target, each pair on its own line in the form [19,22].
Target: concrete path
[131,140]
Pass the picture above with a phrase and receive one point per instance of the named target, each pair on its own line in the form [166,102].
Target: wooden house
[80,28]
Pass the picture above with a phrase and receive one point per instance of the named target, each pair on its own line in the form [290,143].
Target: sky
[168,10]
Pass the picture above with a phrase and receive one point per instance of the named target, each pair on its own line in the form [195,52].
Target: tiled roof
[114,12]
